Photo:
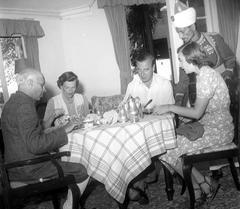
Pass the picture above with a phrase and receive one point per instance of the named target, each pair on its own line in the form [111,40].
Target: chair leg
[6,201]
[187,170]
[169,183]
[234,173]
[56,202]
[183,183]
[124,205]
[75,195]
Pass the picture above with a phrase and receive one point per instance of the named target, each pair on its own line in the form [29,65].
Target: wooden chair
[15,195]
[229,151]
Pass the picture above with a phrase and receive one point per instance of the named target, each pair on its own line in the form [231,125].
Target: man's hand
[58,112]
[227,75]
[161,109]
[70,126]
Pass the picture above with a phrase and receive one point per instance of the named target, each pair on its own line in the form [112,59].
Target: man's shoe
[140,196]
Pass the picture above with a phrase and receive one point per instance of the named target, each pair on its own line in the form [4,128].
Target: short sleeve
[206,83]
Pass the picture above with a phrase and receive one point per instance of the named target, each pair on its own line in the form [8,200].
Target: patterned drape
[229,14]
[31,30]
[116,17]
[104,3]
[229,17]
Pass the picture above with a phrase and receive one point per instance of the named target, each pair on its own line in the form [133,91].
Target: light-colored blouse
[79,106]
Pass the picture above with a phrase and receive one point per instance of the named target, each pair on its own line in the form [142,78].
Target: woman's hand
[58,112]
[161,109]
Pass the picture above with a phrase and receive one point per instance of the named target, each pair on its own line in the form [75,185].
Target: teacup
[88,123]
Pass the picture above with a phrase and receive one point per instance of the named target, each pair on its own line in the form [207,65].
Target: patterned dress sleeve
[206,83]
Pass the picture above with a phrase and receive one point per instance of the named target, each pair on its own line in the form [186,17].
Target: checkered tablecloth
[115,155]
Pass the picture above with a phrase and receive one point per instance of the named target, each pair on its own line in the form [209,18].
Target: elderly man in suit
[24,137]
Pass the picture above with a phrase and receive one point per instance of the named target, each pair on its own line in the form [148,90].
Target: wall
[88,50]
[51,54]
[81,44]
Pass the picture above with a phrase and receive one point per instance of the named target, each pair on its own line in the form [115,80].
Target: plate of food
[110,117]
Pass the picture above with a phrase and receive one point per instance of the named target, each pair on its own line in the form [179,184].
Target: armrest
[47,157]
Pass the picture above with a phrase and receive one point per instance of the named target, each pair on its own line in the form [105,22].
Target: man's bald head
[31,82]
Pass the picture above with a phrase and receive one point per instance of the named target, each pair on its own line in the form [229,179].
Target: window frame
[3,78]
[5,91]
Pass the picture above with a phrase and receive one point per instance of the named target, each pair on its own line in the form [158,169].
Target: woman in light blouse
[68,104]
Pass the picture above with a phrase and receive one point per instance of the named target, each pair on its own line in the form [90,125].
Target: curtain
[31,30]
[228,14]
[32,52]
[103,3]
[116,18]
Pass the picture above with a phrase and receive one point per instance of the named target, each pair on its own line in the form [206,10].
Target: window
[148,30]
[201,16]
[12,50]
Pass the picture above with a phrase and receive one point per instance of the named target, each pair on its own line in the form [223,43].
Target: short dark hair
[194,54]
[143,55]
[67,76]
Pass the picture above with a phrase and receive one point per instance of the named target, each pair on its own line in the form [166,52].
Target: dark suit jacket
[23,135]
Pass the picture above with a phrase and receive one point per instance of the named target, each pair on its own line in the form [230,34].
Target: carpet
[227,197]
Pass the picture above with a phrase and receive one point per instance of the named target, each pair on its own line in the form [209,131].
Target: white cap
[185,18]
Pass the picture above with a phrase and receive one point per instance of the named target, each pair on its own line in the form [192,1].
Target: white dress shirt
[160,91]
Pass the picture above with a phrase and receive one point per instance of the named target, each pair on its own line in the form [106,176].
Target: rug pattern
[227,197]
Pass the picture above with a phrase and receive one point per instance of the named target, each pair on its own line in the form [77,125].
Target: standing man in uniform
[218,52]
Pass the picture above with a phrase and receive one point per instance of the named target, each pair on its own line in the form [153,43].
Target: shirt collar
[137,79]
[22,94]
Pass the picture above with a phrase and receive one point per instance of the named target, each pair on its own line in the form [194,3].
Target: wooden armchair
[15,195]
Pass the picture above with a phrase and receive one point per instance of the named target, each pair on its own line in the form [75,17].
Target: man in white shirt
[148,85]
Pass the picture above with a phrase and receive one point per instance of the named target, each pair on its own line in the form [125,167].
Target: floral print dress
[217,120]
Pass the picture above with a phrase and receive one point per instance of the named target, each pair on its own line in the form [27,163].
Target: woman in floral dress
[211,109]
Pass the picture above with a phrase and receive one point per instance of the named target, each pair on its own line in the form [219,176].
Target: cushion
[106,102]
